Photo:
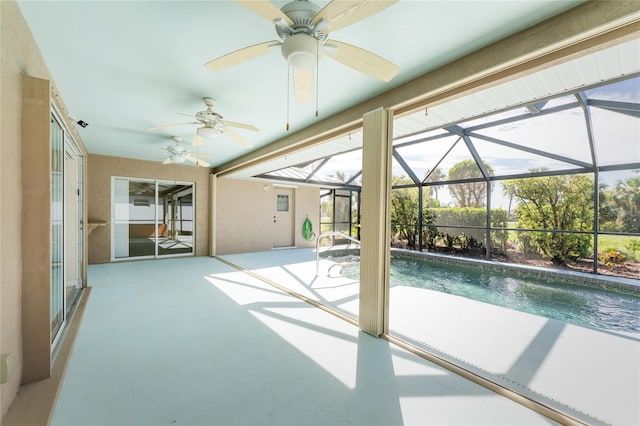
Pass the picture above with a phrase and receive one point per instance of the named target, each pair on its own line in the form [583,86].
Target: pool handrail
[330,234]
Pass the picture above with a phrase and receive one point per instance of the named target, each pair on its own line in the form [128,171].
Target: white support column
[375,231]
[213,182]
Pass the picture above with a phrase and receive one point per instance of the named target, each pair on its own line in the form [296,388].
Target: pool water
[580,305]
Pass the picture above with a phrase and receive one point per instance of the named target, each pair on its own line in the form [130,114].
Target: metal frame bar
[405,167]
[314,171]
[584,104]
[626,108]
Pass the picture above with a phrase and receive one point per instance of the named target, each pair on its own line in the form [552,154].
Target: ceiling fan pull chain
[288,83]
[317,73]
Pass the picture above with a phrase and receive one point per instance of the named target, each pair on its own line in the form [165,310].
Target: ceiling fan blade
[197,161]
[266,9]
[341,13]
[197,140]
[200,154]
[362,60]
[240,125]
[236,137]
[186,115]
[242,55]
[303,80]
[167,161]
[173,125]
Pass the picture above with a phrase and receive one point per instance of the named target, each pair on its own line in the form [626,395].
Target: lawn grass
[605,242]
[620,243]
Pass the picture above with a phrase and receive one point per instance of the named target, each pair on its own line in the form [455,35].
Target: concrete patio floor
[190,341]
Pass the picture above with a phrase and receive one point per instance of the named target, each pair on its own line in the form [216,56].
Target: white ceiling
[125,66]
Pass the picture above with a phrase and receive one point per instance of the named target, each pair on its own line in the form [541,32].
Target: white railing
[329,234]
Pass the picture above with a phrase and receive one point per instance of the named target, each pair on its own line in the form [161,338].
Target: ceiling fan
[213,126]
[303,30]
[178,154]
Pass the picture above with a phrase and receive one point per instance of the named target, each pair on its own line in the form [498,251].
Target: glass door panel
[152,218]
[57,228]
[175,228]
[134,210]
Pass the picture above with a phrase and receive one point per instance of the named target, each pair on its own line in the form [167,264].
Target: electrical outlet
[5,368]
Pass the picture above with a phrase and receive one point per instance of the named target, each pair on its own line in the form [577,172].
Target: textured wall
[244,215]
[100,170]
[20,55]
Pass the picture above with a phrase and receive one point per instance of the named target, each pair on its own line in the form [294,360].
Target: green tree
[627,199]
[608,211]
[434,176]
[404,211]
[471,194]
[554,203]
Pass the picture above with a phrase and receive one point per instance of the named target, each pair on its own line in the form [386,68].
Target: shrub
[611,258]
[466,238]
[633,246]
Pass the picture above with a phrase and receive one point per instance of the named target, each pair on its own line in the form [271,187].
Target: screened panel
[507,161]
[617,137]
[342,208]
[399,174]
[562,203]
[563,133]
[341,167]
[425,156]
[404,217]
[621,91]
[459,164]
[619,197]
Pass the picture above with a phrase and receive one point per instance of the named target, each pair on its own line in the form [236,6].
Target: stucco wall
[244,215]
[100,170]
[20,55]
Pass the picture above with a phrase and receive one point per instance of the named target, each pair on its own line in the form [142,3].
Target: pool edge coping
[603,282]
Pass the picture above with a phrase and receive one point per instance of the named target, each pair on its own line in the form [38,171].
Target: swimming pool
[576,304]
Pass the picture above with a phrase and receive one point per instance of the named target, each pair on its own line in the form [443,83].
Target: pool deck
[193,341]
[594,374]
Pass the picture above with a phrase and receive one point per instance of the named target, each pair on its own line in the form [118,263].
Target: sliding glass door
[151,218]
[57,229]
[67,234]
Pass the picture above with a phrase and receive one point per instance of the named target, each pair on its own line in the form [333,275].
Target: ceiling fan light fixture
[209,132]
[300,50]
[178,158]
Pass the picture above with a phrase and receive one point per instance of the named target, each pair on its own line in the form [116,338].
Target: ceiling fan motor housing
[208,116]
[301,42]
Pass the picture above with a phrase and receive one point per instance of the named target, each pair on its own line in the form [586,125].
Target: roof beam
[405,167]
[457,130]
[441,159]
[536,108]
[532,150]
[627,108]
[582,100]
[322,163]
[354,177]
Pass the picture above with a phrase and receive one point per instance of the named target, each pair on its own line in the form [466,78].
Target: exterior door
[283,218]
